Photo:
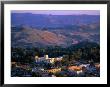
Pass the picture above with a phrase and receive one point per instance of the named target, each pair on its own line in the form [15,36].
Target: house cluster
[47,59]
[79,69]
[86,68]
[54,70]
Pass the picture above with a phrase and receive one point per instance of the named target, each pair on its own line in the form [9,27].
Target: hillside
[34,37]
[39,30]
[30,37]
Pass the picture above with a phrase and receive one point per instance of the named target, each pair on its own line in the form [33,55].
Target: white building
[79,72]
[46,58]
[84,65]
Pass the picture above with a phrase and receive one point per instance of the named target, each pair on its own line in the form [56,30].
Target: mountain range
[39,30]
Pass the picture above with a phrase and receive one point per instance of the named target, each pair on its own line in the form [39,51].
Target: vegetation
[88,51]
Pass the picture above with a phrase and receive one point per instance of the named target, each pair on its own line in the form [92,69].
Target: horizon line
[52,14]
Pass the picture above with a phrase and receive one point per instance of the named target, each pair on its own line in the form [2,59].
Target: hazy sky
[59,12]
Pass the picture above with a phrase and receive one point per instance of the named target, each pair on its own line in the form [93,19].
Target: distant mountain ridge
[38,30]
[42,20]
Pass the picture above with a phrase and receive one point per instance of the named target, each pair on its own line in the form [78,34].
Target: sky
[59,12]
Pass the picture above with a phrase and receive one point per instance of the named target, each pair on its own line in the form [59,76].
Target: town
[53,67]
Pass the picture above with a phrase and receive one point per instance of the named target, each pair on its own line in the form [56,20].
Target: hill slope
[40,30]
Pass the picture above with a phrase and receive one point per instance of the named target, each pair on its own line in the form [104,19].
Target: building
[53,70]
[13,64]
[52,60]
[59,58]
[47,59]
[46,56]
[97,65]
[74,68]
[84,65]
[78,72]
[36,58]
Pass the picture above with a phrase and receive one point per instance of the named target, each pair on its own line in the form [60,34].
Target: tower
[46,57]
[36,58]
